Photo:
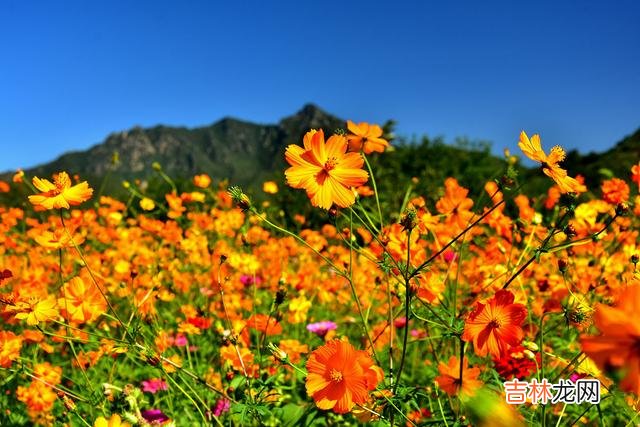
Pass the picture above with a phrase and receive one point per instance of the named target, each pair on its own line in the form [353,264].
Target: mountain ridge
[248,153]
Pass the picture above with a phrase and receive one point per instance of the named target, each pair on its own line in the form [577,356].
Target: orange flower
[59,238]
[455,203]
[202,181]
[495,326]
[10,346]
[635,174]
[293,349]
[17,177]
[38,397]
[341,376]
[366,137]
[60,193]
[4,187]
[449,378]
[617,348]
[82,303]
[532,148]
[615,191]
[259,323]
[325,170]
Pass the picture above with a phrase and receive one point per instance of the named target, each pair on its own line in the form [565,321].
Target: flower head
[325,170]
[82,302]
[366,137]
[495,326]
[60,193]
[114,421]
[617,347]
[321,328]
[532,148]
[449,378]
[36,310]
[615,191]
[154,385]
[341,376]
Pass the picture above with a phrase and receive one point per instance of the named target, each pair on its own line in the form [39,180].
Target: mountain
[244,152]
[248,154]
[616,161]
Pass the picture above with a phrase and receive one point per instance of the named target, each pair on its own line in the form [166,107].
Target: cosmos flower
[366,137]
[154,385]
[10,346]
[617,348]
[341,376]
[36,310]
[82,302]
[325,170]
[449,378]
[321,328]
[154,416]
[114,421]
[270,187]
[496,325]
[202,180]
[532,148]
[60,193]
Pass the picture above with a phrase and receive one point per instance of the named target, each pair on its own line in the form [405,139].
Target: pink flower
[181,340]
[321,328]
[154,385]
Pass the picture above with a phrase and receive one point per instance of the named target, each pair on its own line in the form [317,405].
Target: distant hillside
[248,154]
[242,151]
[616,162]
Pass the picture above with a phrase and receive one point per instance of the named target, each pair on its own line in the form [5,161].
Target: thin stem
[407,310]
[417,270]
[375,190]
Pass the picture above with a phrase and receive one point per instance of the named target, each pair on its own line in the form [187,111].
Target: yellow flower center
[335,375]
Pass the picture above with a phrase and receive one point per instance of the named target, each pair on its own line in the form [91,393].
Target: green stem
[407,311]
[375,189]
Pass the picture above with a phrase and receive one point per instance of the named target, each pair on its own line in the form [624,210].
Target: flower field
[202,306]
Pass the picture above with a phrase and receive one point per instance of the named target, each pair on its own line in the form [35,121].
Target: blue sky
[74,71]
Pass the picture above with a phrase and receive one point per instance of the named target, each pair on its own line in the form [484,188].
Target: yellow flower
[270,187]
[35,311]
[114,421]
[147,204]
[60,193]
[59,238]
[325,170]
[532,148]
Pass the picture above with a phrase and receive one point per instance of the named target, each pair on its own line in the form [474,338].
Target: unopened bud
[622,209]
[281,294]
[562,265]
[409,219]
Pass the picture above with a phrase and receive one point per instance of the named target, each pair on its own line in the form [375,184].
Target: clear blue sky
[74,71]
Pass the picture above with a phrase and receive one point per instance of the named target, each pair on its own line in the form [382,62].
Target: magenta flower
[154,415]
[222,406]
[181,340]
[321,328]
[154,385]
